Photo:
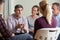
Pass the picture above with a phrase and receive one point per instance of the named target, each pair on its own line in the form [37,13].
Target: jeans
[25,36]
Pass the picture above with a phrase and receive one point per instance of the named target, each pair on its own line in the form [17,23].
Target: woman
[31,19]
[47,20]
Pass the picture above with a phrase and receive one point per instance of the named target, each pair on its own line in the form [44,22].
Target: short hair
[18,6]
[36,7]
[1,1]
[57,4]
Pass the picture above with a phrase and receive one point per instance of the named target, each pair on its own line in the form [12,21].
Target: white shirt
[12,22]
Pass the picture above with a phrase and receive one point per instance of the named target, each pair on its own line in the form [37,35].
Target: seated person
[47,20]
[17,24]
[31,19]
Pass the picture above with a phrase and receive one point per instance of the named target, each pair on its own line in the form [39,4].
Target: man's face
[18,11]
[55,10]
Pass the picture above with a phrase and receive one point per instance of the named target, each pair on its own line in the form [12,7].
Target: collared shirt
[12,22]
[58,20]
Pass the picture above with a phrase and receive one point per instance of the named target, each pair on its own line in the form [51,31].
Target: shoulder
[10,16]
[39,20]
[28,17]
[24,18]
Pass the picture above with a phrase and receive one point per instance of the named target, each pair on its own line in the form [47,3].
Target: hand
[13,34]
[32,31]
[19,26]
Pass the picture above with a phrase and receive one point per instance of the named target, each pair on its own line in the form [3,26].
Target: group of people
[19,27]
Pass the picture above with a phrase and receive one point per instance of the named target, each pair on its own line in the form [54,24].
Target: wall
[27,4]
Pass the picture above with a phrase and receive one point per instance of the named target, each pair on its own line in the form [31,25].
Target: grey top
[31,22]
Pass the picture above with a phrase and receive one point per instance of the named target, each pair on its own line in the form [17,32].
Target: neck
[17,16]
[34,16]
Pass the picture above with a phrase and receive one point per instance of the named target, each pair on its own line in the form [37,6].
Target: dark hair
[1,1]
[37,8]
[18,6]
[57,4]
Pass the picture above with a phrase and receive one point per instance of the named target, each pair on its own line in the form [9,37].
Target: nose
[19,11]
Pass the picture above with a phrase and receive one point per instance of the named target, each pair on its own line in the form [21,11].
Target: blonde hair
[46,10]
[49,14]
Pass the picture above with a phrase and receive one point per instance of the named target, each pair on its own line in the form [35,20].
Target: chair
[46,34]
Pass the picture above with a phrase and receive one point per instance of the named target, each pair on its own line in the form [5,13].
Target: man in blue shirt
[56,12]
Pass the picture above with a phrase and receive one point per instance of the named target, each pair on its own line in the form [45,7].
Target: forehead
[18,8]
[54,6]
[35,8]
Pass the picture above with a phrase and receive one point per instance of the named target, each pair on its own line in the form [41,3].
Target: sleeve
[5,33]
[26,24]
[36,26]
[9,24]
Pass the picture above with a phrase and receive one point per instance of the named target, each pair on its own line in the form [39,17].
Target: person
[17,24]
[4,32]
[47,20]
[31,19]
[56,12]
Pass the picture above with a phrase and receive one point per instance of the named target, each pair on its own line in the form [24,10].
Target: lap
[25,36]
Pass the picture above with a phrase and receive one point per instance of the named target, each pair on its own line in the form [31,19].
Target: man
[56,12]
[17,24]
[6,34]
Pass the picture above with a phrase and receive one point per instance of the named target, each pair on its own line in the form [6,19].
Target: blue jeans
[58,37]
[22,37]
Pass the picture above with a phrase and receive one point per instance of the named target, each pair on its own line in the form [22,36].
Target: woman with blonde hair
[47,20]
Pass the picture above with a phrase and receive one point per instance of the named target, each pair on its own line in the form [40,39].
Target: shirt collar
[15,16]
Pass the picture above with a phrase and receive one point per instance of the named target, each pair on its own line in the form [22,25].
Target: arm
[25,25]
[36,26]
[10,25]
[5,33]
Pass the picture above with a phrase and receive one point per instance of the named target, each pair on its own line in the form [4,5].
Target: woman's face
[18,11]
[35,11]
